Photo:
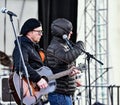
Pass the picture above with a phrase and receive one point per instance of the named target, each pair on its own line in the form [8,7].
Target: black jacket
[31,58]
[61,58]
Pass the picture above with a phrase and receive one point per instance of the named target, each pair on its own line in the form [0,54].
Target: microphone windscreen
[64,36]
[3,10]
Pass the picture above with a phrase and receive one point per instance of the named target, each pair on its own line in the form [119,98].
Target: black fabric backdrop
[49,10]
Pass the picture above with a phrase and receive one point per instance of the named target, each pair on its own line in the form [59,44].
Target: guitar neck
[58,75]
[66,72]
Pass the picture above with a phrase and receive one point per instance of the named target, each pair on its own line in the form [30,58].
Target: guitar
[15,84]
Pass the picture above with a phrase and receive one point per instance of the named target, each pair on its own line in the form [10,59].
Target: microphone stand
[26,72]
[88,61]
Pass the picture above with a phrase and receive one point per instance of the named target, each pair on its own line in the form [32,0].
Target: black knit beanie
[29,25]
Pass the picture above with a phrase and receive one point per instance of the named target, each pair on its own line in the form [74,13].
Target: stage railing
[112,98]
[114,95]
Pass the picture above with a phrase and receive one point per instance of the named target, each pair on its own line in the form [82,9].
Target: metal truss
[96,42]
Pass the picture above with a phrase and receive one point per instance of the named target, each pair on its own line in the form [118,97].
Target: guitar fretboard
[58,75]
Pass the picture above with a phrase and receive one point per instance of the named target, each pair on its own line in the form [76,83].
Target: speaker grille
[6,92]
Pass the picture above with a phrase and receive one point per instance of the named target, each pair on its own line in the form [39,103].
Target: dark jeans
[59,99]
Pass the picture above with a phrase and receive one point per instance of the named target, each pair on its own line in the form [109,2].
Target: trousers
[59,99]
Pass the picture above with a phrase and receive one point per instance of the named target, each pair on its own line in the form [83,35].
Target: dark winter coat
[60,58]
[31,58]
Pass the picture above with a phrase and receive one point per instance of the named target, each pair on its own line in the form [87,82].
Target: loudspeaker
[6,96]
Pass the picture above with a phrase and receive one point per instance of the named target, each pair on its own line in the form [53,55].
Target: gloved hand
[80,45]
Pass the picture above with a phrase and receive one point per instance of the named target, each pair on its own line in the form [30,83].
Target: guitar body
[15,85]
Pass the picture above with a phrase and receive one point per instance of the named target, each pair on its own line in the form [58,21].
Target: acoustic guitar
[15,85]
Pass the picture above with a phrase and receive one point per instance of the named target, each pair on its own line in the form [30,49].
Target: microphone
[67,41]
[4,10]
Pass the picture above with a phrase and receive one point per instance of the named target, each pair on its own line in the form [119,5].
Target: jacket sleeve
[70,55]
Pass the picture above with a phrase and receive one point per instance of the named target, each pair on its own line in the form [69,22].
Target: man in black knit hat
[31,33]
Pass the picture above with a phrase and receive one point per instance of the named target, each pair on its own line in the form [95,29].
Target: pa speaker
[6,96]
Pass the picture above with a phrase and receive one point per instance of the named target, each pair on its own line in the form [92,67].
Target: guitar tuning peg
[82,66]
